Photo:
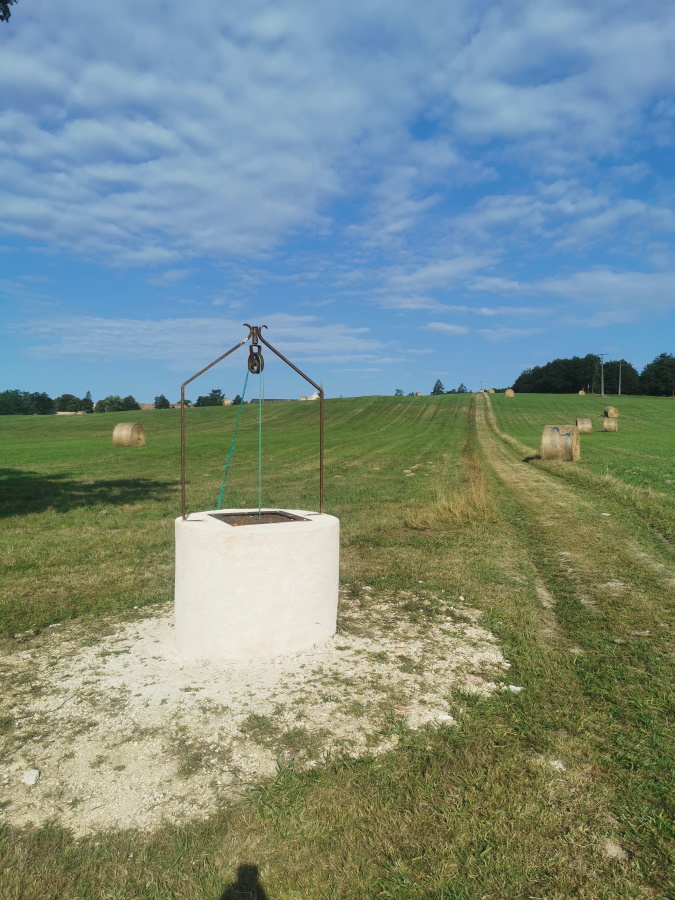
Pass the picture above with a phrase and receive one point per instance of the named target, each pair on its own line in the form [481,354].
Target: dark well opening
[266,517]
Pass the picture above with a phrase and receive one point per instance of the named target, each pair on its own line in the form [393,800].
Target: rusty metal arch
[255,336]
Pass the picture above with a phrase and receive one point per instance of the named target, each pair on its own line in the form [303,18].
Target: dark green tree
[658,376]
[68,403]
[215,398]
[560,376]
[42,404]
[12,403]
[129,403]
[161,402]
[23,403]
[462,389]
[630,378]
[5,13]
[86,403]
[112,403]
[438,387]
[398,392]
[237,400]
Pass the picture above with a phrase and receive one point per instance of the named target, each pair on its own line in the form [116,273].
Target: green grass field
[640,453]
[563,790]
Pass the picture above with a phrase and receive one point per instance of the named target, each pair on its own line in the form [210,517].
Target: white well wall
[254,591]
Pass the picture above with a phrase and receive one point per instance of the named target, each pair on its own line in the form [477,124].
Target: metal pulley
[256,363]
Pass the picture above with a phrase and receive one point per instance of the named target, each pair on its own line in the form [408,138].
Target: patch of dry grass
[470,502]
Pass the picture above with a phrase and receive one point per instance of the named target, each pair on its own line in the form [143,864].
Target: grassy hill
[558,784]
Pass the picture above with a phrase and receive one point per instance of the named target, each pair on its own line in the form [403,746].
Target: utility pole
[602,373]
[620,361]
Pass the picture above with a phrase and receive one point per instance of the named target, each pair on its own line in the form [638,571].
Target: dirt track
[579,537]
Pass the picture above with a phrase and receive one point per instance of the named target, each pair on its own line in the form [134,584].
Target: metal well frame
[255,364]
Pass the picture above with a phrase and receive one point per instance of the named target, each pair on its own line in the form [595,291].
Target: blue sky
[402,191]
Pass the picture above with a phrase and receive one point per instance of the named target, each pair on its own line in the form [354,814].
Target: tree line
[567,376]
[24,403]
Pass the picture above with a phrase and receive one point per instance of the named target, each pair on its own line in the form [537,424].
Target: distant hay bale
[129,434]
[560,442]
[509,392]
[582,393]
[611,412]
[585,426]
[303,398]
[491,391]
[610,424]
[227,401]
[418,393]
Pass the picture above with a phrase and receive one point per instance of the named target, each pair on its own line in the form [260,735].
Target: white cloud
[437,274]
[503,333]
[335,149]
[445,328]
[612,296]
[216,133]
[187,343]
[577,76]
[607,296]
[170,277]
[411,303]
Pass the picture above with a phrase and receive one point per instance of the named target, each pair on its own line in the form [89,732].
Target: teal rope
[234,438]
[260,405]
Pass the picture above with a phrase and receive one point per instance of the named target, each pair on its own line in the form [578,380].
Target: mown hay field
[640,453]
[88,527]
[555,783]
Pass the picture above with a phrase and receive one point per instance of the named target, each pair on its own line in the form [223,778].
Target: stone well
[249,587]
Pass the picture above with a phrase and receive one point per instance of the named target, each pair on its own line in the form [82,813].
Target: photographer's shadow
[246,885]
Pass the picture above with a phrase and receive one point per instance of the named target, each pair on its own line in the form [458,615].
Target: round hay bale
[303,398]
[491,391]
[611,412]
[560,442]
[418,393]
[585,426]
[509,392]
[582,393]
[610,424]
[129,434]
[227,401]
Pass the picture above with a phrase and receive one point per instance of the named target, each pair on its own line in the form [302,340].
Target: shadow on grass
[246,886]
[532,457]
[23,492]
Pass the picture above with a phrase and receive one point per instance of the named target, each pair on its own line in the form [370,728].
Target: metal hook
[254,331]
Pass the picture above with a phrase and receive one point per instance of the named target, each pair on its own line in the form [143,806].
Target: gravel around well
[126,734]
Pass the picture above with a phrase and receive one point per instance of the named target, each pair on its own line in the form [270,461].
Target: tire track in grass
[613,611]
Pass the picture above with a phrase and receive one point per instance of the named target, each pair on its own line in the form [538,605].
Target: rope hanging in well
[234,438]
[260,406]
